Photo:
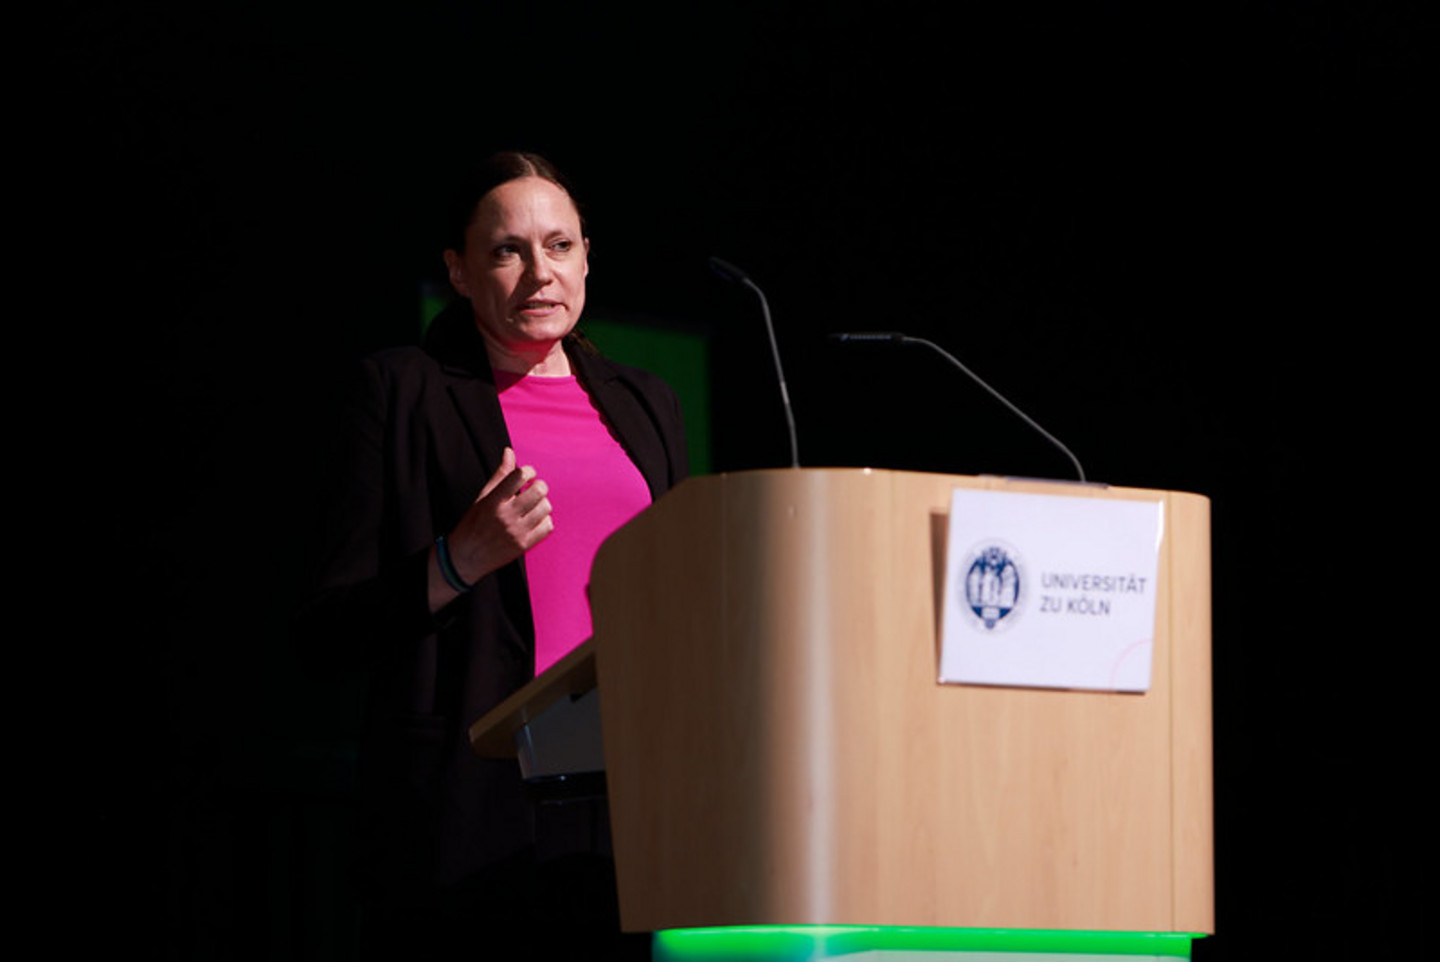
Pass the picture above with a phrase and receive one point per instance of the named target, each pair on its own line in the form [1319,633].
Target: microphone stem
[999,397]
[779,371]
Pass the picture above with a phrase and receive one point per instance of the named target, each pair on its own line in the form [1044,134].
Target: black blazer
[426,431]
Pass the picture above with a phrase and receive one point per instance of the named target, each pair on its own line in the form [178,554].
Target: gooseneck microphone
[892,337]
[735,275]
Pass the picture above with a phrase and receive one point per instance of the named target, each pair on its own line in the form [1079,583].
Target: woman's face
[523,268]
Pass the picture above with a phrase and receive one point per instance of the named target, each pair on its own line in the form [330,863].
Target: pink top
[594,489]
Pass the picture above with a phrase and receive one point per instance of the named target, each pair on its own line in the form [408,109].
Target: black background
[1188,240]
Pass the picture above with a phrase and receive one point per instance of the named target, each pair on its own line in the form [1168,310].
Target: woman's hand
[509,517]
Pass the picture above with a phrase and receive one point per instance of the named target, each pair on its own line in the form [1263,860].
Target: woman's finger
[507,466]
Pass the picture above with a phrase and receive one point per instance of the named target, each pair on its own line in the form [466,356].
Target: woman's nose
[539,267]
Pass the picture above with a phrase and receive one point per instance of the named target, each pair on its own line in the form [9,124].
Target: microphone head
[728,271]
[882,337]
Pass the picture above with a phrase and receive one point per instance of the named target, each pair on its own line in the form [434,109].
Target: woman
[482,472]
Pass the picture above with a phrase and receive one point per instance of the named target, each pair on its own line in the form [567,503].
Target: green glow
[784,943]
[680,357]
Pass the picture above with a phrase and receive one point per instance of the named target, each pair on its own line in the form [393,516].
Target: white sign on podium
[1050,591]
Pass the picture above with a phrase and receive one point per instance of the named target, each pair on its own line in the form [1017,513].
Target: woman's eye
[562,246]
[506,250]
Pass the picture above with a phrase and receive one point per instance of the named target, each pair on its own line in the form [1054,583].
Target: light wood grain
[779,750]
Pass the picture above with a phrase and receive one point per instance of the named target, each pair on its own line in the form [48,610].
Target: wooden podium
[779,751]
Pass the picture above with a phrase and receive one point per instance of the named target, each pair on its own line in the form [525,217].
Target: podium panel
[779,750]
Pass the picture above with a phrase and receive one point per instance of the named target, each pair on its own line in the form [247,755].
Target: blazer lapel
[470,451]
[629,418]
[478,406]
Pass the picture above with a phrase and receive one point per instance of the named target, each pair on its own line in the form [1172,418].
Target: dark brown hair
[493,171]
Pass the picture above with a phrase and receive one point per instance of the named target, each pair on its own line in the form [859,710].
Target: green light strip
[792,943]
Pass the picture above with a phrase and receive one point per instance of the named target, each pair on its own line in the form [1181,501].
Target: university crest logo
[993,585]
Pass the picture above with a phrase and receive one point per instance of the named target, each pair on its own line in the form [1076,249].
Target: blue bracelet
[447,567]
